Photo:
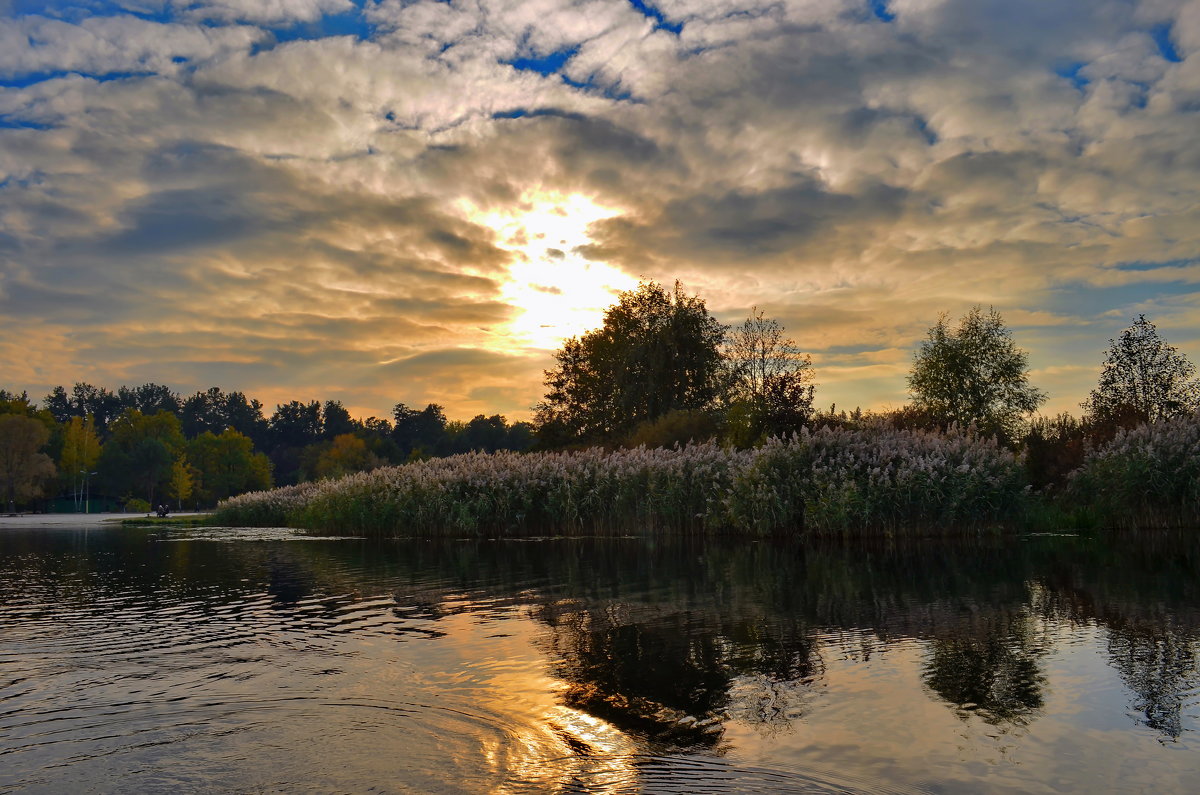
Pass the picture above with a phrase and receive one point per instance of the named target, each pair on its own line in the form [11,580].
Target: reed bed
[829,481]
[1145,477]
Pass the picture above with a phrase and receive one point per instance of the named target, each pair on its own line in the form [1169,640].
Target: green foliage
[226,464]
[140,451]
[1144,377]
[137,505]
[974,375]
[657,351]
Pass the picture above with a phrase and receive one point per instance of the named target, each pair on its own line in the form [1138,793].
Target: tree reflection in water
[671,676]
[1158,665]
[992,671]
[671,639]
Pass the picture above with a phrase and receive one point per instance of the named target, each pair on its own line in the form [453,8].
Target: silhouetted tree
[1143,378]
[658,350]
[419,432]
[770,382]
[149,398]
[336,420]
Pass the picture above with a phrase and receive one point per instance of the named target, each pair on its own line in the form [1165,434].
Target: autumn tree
[23,467]
[1143,378]
[974,374]
[345,455]
[182,482]
[657,351]
[80,452]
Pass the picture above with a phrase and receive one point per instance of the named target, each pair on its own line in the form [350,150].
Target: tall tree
[23,467]
[1144,378]
[974,374]
[770,381]
[149,398]
[657,351]
[419,432]
[102,404]
[80,452]
[226,464]
[138,456]
[336,420]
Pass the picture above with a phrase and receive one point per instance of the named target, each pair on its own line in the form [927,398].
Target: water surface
[218,660]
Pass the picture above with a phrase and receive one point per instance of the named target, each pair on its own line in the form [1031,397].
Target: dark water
[258,661]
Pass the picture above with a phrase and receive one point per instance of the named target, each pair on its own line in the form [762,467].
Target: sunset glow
[386,201]
[559,292]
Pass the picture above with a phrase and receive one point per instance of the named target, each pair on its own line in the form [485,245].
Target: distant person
[163,510]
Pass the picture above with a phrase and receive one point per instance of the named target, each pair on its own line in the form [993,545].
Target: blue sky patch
[1071,72]
[546,64]
[660,21]
[1162,37]
[26,80]
[880,9]
[8,122]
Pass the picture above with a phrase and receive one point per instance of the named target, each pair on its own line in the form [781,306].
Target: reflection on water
[151,661]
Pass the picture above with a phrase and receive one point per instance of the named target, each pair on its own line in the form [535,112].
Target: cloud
[288,195]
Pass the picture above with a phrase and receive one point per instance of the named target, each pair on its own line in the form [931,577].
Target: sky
[383,201]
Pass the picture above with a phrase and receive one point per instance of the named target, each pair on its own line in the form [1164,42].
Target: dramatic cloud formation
[415,201]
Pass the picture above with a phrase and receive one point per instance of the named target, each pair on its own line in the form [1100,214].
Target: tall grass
[1145,477]
[830,481]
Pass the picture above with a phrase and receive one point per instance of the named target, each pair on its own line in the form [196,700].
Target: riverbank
[82,520]
[875,480]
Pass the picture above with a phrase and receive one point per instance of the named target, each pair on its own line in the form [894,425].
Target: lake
[268,661]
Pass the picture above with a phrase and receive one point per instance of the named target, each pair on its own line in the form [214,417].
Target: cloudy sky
[416,201]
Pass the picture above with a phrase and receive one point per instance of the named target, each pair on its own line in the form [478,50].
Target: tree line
[142,446]
[659,370]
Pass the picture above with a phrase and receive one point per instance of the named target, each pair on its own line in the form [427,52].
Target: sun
[559,293]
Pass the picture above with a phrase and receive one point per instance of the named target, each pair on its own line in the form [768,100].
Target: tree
[419,433]
[149,398]
[1143,378]
[23,467]
[141,451]
[770,381]
[336,420]
[346,454]
[973,374]
[657,351]
[182,482]
[80,452]
[227,465]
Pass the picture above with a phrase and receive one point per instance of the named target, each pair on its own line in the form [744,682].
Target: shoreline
[34,521]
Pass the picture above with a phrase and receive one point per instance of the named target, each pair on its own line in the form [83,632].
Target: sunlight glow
[560,292]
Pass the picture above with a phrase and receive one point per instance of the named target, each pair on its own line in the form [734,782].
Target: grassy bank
[824,482]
